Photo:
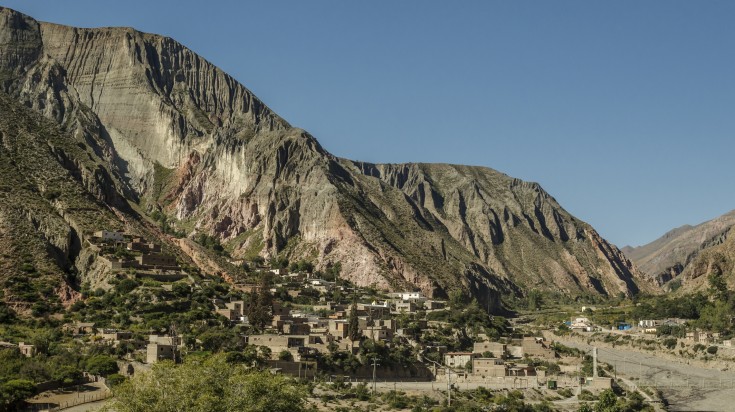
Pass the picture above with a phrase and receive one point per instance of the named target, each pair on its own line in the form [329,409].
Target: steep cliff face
[45,208]
[514,228]
[168,131]
[718,260]
[670,255]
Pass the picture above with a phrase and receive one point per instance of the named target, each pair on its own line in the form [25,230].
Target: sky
[624,111]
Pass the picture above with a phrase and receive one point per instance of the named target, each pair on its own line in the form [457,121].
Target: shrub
[670,343]
[586,395]
[565,392]
[115,379]
[285,355]
[712,350]
[126,286]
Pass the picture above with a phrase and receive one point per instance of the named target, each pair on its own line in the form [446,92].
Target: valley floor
[686,387]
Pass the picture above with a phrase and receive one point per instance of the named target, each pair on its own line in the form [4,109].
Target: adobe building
[537,348]
[157,261]
[458,359]
[106,236]
[140,245]
[156,352]
[496,348]
[27,350]
[488,367]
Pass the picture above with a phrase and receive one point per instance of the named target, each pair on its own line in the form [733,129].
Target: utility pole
[449,386]
[615,366]
[375,365]
[594,362]
[174,341]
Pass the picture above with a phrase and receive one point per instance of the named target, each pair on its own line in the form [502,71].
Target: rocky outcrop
[717,260]
[670,255]
[161,127]
[514,228]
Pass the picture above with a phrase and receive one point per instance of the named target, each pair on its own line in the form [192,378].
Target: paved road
[686,387]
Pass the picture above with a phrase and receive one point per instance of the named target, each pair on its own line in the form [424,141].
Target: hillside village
[307,317]
[296,321]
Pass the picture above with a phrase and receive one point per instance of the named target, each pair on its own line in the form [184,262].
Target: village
[312,325]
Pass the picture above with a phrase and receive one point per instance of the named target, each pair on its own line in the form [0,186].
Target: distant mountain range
[686,253]
[103,128]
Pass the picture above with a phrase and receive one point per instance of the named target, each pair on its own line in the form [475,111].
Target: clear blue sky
[623,110]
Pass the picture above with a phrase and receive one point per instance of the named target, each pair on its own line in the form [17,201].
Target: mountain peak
[165,132]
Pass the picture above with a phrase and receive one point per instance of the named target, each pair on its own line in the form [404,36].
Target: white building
[649,323]
[407,296]
[458,359]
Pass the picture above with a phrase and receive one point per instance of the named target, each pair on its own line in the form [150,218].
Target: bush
[565,393]
[586,395]
[115,379]
[712,350]
[670,343]
[126,286]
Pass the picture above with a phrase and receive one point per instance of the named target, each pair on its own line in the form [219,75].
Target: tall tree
[261,306]
[353,328]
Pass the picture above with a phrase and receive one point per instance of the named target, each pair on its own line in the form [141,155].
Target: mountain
[136,125]
[671,254]
[718,260]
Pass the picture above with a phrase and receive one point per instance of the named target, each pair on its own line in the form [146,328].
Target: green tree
[353,327]
[101,365]
[207,385]
[607,402]
[44,339]
[265,352]
[261,309]
[220,339]
[14,391]
[6,314]
[535,299]
[715,317]
[332,272]
[67,374]
[717,285]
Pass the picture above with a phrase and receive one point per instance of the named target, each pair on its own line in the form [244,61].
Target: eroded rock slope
[170,132]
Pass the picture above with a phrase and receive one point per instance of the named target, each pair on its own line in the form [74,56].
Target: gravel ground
[686,387]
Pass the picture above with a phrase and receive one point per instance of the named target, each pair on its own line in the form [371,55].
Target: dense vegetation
[712,310]
[208,384]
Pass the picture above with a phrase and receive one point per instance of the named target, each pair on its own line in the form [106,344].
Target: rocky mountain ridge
[162,130]
[717,260]
[672,254]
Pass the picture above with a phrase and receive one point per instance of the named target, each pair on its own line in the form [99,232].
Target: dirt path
[87,407]
[72,396]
